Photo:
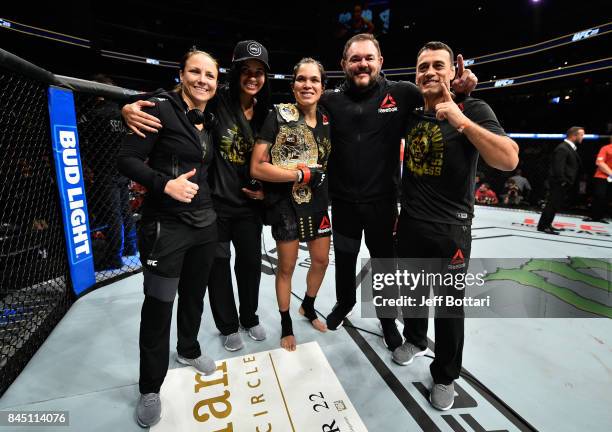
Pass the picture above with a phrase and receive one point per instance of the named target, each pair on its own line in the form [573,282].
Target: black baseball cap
[250,49]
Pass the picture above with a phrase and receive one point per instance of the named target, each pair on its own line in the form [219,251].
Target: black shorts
[287,228]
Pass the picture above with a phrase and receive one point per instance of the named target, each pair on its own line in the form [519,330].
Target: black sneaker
[549,230]
[336,317]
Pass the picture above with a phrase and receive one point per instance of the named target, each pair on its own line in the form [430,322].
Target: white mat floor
[555,373]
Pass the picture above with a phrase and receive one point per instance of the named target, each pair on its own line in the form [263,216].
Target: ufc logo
[584,34]
[152,263]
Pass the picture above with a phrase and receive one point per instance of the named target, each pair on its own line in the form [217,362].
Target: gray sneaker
[405,353]
[232,342]
[257,332]
[442,396]
[203,364]
[148,410]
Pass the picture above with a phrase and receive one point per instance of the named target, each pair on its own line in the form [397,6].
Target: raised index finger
[460,66]
[448,97]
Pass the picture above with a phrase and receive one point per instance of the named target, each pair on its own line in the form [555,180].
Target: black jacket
[366,132]
[176,149]
[565,164]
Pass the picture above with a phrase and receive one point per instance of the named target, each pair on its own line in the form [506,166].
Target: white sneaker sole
[419,354]
[232,349]
[142,425]
[243,329]
[256,339]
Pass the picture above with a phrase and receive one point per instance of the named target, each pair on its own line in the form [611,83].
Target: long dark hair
[263,105]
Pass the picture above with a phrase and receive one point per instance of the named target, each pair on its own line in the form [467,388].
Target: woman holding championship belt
[290,155]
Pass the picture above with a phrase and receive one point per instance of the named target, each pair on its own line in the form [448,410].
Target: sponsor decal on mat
[267,391]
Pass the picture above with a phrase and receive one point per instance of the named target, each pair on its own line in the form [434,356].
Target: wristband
[306,173]
[300,174]
[462,127]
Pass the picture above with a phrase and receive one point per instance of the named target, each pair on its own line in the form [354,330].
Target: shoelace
[408,348]
[151,400]
[442,387]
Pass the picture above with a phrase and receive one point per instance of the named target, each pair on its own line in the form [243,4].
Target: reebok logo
[388,104]
[457,261]
[324,226]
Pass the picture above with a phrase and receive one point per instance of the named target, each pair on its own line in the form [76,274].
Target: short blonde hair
[193,52]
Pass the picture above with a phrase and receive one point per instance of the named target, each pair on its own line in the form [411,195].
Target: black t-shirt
[320,132]
[233,136]
[366,131]
[440,165]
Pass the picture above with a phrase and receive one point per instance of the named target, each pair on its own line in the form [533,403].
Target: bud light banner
[69,173]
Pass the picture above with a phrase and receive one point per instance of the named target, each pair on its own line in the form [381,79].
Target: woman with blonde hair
[178,234]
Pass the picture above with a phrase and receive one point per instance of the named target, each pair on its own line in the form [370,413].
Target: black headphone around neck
[196,116]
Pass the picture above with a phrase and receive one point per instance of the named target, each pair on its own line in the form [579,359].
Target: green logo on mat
[528,275]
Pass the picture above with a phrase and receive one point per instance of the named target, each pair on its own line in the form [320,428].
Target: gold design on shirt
[234,147]
[324,150]
[425,150]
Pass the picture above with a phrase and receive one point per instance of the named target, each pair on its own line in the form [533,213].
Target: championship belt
[295,146]
[302,193]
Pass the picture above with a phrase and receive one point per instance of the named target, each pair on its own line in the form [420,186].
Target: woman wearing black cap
[178,234]
[240,108]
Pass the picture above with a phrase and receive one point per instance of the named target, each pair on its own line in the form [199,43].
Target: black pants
[601,189]
[245,233]
[175,257]
[376,220]
[421,239]
[556,198]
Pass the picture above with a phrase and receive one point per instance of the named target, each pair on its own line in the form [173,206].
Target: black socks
[286,326]
[308,307]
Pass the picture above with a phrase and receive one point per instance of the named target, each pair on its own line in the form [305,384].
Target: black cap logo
[250,49]
[254,49]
